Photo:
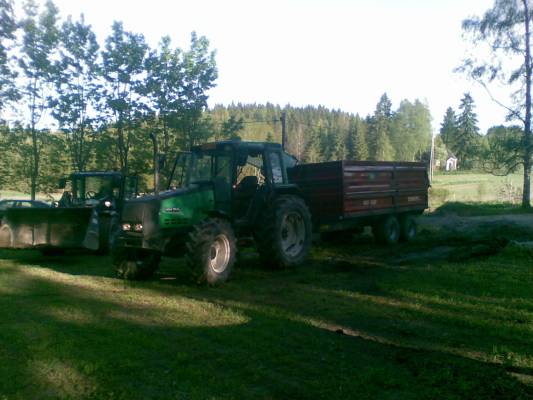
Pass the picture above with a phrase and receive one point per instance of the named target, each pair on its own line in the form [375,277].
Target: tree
[164,86]
[8,90]
[502,151]
[356,146]
[411,132]
[200,73]
[77,88]
[380,147]
[123,68]
[231,127]
[467,140]
[448,127]
[39,42]
[506,29]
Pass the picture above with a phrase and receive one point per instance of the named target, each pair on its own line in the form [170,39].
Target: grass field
[476,187]
[357,322]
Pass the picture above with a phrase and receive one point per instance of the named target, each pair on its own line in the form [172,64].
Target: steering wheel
[90,194]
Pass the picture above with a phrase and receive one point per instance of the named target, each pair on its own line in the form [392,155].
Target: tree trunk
[35,169]
[526,192]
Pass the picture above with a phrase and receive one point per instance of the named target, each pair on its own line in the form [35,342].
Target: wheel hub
[292,233]
[219,254]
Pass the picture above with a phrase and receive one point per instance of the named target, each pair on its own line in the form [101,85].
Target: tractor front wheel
[211,251]
[137,265]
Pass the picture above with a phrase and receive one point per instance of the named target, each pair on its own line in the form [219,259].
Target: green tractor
[219,195]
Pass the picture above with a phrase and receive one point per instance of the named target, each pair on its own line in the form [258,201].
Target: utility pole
[283,120]
[156,161]
[431,157]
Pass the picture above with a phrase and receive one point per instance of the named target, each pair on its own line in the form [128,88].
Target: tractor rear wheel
[211,251]
[284,234]
[136,265]
[387,231]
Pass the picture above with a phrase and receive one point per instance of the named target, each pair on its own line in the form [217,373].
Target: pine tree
[380,147]
[465,145]
[448,127]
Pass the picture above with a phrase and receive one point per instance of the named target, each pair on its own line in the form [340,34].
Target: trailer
[348,195]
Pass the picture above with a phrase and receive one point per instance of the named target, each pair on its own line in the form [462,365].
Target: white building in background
[451,162]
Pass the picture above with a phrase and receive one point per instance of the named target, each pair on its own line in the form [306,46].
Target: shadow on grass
[112,343]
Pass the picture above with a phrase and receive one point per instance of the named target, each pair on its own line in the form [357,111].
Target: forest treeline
[69,103]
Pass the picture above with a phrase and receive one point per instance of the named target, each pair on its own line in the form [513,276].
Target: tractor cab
[219,194]
[90,189]
[240,174]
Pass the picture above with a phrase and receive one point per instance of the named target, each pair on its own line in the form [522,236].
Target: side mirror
[62,183]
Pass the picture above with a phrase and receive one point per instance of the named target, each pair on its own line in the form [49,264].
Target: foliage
[39,44]
[78,90]
[122,70]
[465,143]
[8,90]
[506,29]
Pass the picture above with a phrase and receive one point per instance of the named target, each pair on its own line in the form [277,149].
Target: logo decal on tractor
[175,210]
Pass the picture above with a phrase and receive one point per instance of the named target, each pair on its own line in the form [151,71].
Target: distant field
[467,187]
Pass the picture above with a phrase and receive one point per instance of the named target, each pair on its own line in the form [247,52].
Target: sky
[338,53]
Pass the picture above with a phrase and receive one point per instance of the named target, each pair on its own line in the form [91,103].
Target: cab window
[275,164]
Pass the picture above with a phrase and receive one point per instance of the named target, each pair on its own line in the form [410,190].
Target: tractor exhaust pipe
[153,136]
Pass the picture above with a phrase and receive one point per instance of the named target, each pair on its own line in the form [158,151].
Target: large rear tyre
[284,234]
[387,231]
[408,228]
[137,265]
[211,251]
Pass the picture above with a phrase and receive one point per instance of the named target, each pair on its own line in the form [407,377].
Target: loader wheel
[211,251]
[407,228]
[284,234]
[136,265]
[387,231]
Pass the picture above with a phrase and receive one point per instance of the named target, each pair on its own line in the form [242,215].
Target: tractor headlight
[107,203]
[138,227]
[126,227]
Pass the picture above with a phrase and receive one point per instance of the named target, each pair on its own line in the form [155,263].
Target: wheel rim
[219,254]
[292,233]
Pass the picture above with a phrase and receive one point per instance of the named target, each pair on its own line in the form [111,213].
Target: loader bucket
[46,227]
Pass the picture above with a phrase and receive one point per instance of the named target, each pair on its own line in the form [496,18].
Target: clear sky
[338,53]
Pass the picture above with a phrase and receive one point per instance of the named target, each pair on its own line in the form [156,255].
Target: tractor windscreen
[89,189]
[201,167]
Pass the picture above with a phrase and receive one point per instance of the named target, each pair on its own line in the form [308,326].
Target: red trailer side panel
[349,189]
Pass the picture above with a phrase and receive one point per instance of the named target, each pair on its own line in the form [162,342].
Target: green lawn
[351,324]
[475,187]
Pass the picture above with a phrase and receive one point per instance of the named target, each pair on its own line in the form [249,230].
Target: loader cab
[90,189]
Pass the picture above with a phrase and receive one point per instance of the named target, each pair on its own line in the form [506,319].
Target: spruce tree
[466,143]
